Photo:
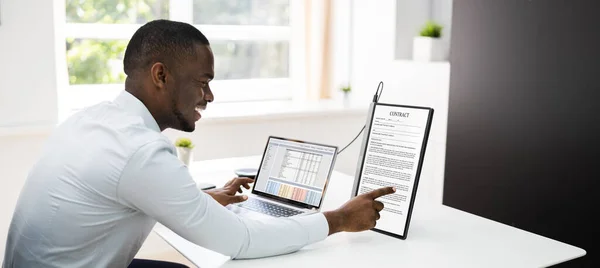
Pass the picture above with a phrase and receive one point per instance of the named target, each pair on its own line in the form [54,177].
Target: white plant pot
[346,99]
[185,155]
[428,49]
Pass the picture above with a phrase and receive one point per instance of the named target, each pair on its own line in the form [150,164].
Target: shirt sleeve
[157,183]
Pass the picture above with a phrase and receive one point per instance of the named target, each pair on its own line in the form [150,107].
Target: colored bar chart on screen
[293,192]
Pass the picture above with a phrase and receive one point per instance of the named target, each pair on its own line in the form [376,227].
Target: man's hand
[226,195]
[358,214]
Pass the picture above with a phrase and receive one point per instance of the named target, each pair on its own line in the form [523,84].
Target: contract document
[393,156]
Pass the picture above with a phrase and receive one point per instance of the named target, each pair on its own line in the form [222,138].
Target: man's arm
[155,182]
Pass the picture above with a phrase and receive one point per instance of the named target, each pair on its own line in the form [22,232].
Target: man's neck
[143,97]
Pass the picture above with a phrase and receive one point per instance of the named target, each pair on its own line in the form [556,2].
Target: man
[107,174]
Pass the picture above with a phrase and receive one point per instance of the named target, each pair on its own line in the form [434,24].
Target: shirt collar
[133,105]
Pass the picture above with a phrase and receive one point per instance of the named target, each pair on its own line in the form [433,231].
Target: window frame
[76,97]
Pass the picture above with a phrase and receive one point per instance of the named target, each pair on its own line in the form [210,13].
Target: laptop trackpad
[249,214]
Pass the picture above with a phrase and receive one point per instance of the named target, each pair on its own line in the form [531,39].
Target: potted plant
[184,150]
[428,46]
[346,90]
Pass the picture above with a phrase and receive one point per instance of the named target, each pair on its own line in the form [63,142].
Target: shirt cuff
[317,226]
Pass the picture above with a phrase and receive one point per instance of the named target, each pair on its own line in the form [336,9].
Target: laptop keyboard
[268,208]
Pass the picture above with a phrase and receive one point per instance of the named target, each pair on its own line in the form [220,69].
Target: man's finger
[237,199]
[240,181]
[378,206]
[377,216]
[380,192]
[247,186]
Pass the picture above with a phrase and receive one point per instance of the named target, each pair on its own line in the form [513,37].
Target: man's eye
[203,84]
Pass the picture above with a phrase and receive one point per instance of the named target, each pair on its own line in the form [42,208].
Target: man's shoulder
[110,121]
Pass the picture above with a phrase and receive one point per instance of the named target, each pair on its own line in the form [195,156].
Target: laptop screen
[295,171]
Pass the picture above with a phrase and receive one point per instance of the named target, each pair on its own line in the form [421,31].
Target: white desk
[439,236]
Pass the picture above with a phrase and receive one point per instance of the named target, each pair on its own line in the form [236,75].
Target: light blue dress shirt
[106,176]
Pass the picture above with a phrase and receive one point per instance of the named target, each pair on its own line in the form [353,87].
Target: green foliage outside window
[95,61]
[101,61]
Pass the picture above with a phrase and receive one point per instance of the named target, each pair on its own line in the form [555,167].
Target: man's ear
[158,73]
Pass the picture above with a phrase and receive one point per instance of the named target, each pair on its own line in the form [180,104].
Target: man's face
[190,91]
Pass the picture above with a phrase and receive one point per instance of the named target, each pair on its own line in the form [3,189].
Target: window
[251,40]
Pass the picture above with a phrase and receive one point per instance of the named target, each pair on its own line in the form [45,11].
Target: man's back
[69,213]
[107,176]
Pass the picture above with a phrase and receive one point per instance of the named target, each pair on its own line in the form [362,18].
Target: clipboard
[414,181]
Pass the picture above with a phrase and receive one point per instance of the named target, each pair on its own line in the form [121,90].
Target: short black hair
[161,40]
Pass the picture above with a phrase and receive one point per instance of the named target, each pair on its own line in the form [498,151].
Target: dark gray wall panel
[523,127]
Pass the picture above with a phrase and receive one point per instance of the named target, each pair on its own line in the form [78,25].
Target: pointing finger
[240,181]
[380,192]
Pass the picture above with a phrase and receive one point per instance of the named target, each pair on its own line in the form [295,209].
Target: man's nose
[208,95]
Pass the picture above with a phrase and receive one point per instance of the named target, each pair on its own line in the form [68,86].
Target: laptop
[291,180]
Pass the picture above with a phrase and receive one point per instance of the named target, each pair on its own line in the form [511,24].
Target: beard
[184,125]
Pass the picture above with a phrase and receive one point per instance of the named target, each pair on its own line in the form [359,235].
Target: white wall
[28,84]
[16,157]
[441,11]
[28,65]
[405,82]
[411,15]
[242,138]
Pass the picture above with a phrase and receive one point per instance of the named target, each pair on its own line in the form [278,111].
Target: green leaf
[184,142]
[431,29]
